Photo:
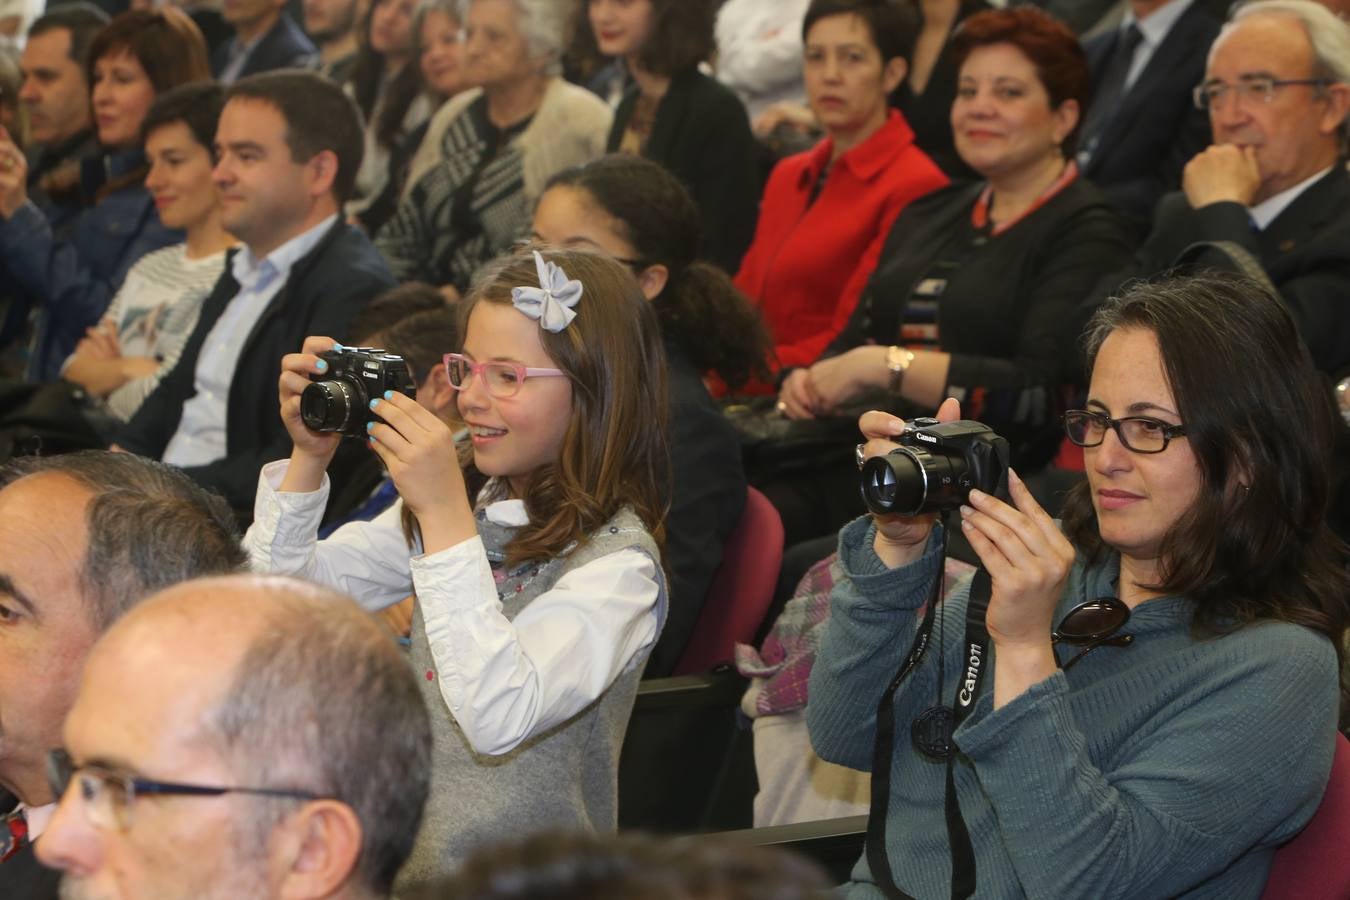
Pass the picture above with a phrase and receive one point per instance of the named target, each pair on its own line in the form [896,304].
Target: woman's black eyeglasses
[1090,625]
[1141,434]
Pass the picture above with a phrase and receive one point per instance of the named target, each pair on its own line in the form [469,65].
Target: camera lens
[910,480]
[329,405]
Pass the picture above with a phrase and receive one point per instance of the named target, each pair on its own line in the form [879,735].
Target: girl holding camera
[539,600]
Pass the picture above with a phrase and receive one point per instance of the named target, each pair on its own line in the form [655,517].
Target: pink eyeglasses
[502,379]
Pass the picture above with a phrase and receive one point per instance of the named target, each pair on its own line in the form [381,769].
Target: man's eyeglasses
[1254,90]
[1141,434]
[107,797]
[502,379]
[1090,625]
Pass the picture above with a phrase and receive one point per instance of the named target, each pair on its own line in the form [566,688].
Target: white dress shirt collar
[38,818]
[1269,209]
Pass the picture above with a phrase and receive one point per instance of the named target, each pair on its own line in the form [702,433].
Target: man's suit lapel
[1301,221]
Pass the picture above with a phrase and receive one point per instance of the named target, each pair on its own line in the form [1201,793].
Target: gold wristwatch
[898,361]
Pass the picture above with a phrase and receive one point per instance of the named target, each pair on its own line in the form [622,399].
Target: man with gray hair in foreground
[83,537]
[243,736]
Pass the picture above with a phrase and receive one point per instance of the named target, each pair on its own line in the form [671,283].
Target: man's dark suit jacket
[22,877]
[283,47]
[1305,251]
[325,288]
[1156,129]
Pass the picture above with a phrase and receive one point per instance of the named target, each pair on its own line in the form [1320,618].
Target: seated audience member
[289,144]
[83,537]
[488,152]
[71,274]
[265,38]
[1142,126]
[637,212]
[573,866]
[122,359]
[55,91]
[675,115]
[438,51]
[387,84]
[1165,669]
[1277,88]
[925,95]
[263,728]
[759,51]
[976,285]
[540,596]
[335,27]
[1083,16]
[826,212]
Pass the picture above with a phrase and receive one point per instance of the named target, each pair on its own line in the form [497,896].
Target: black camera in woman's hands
[339,399]
[935,468]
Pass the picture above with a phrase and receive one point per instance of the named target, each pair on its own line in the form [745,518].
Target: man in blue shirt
[289,145]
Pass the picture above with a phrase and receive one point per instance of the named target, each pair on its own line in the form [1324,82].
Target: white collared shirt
[200,438]
[504,680]
[38,818]
[1154,28]
[1269,209]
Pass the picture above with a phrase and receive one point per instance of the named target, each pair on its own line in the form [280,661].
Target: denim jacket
[72,277]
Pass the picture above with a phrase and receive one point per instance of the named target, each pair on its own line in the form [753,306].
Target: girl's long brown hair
[614,452]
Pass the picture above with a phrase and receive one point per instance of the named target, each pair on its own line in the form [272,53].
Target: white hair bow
[551,303]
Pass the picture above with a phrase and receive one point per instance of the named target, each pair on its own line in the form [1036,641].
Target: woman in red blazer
[826,212]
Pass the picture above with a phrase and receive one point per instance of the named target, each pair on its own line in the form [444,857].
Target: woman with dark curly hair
[1147,706]
[637,212]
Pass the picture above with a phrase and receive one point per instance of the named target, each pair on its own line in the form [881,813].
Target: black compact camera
[935,468]
[339,399]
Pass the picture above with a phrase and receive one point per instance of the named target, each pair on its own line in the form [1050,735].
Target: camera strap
[976,643]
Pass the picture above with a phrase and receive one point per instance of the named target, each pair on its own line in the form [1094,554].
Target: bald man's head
[264,683]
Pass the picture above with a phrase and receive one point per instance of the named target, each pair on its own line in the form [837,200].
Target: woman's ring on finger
[860,454]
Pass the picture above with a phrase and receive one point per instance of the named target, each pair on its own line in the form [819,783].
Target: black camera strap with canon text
[976,642]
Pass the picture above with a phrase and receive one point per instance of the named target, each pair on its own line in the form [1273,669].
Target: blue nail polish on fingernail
[370,426]
[321,365]
[389,395]
[374,403]
[338,348]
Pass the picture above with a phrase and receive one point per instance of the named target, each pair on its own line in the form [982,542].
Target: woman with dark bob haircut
[1159,713]
[71,260]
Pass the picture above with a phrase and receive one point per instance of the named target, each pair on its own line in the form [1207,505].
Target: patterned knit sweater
[1171,767]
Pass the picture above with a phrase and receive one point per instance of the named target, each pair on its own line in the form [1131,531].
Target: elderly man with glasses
[1273,187]
[241,736]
